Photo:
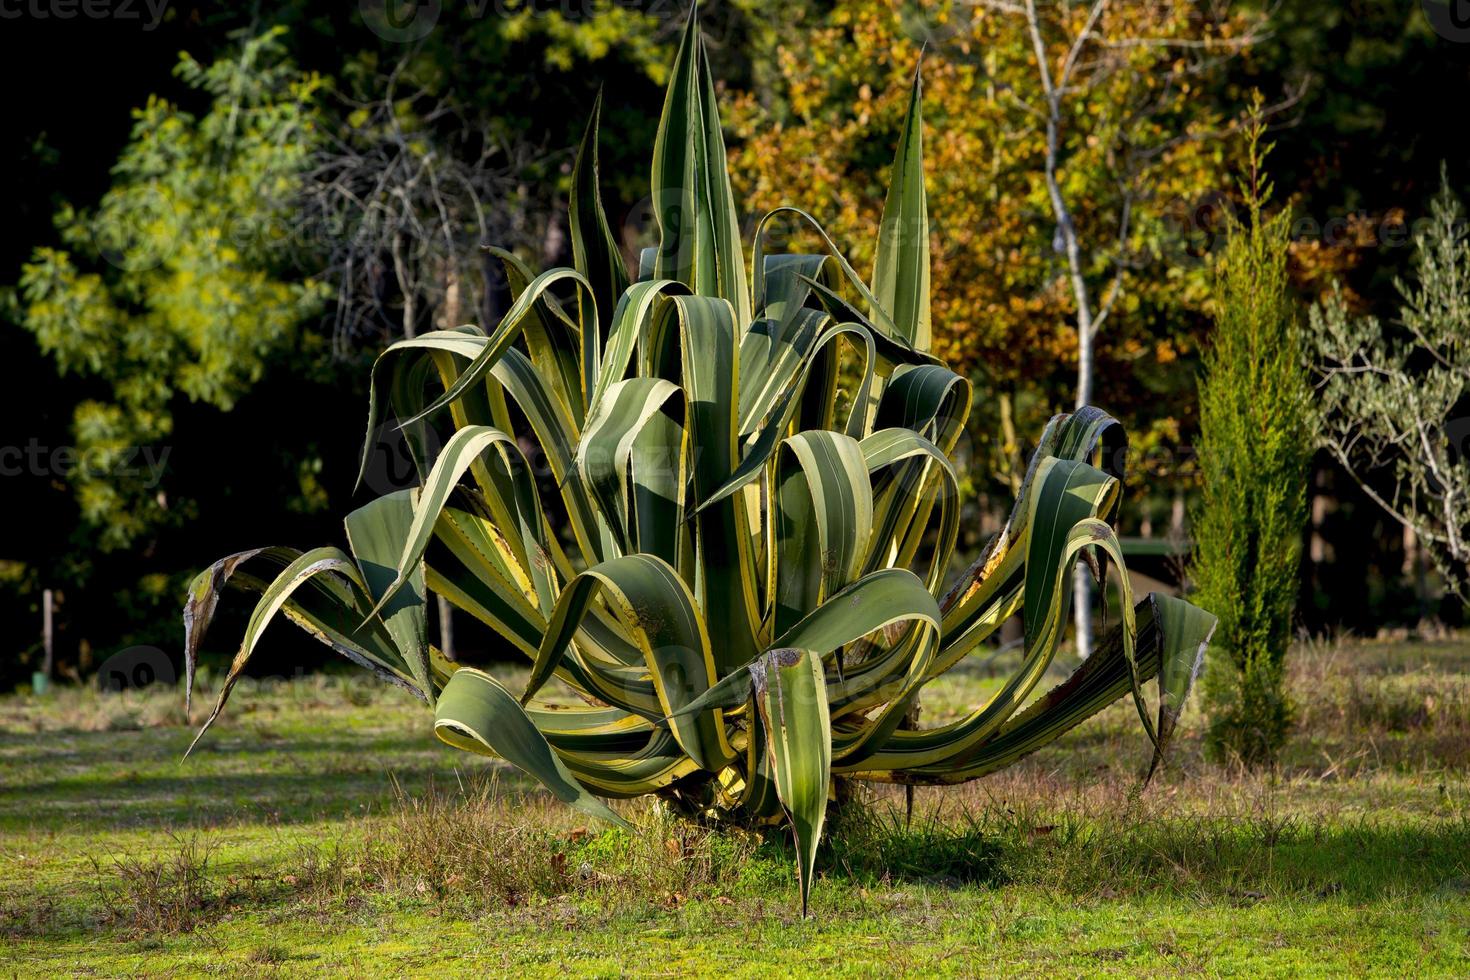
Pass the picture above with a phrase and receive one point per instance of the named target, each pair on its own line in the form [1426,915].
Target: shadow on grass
[881,850]
[1110,852]
[111,781]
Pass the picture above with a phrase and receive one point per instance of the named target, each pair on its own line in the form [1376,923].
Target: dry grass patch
[172,894]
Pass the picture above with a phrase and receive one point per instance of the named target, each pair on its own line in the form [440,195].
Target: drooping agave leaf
[929,399]
[652,768]
[199,607]
[791,696]
[872,602]
[632,320]
[883,598]
[589,728]
[405,385]
[527,316]
[824,506]
[904,502]
[552,340]
[880,317]
[1186,630]
[1066,495]
[595,252]
[332,571]
[556,435]
[901,269]
[327,608]
[516,507]
[774,355]
[477,715]
[1068,492]
[517,319]
[781,283]
[932,403]
[607,452]
[1064,521]
[469,567]
[1099,681]
[980,598]
[761,445]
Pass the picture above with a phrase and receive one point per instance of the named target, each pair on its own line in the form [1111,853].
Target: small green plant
[740,571]
[1255,445]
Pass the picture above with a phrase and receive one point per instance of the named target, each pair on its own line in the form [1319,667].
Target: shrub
[1255,446]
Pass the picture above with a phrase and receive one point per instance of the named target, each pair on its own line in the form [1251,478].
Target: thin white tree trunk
[1066,243]
[400,270]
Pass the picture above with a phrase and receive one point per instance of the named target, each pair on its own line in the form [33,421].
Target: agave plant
[739,564]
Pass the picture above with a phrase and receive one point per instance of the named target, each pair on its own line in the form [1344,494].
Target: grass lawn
[321,828]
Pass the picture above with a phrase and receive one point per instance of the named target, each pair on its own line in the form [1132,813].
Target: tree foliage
[1394,396]
[172,286]
[1138,164]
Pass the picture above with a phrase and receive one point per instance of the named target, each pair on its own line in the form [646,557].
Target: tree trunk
[1081,576]
[1082,608]
[47,633]
[446,628]
[449,318]
[553,240]
[405,287]
[1015,463]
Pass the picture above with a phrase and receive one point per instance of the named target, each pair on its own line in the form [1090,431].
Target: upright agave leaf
[595,251]
[737,561]
[693,205]
[901,270]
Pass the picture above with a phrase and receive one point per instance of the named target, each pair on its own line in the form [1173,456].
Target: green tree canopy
[172,285]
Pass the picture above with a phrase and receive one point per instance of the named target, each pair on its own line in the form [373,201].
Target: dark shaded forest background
[1371,99]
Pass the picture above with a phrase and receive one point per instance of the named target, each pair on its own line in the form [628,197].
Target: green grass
[320,828]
